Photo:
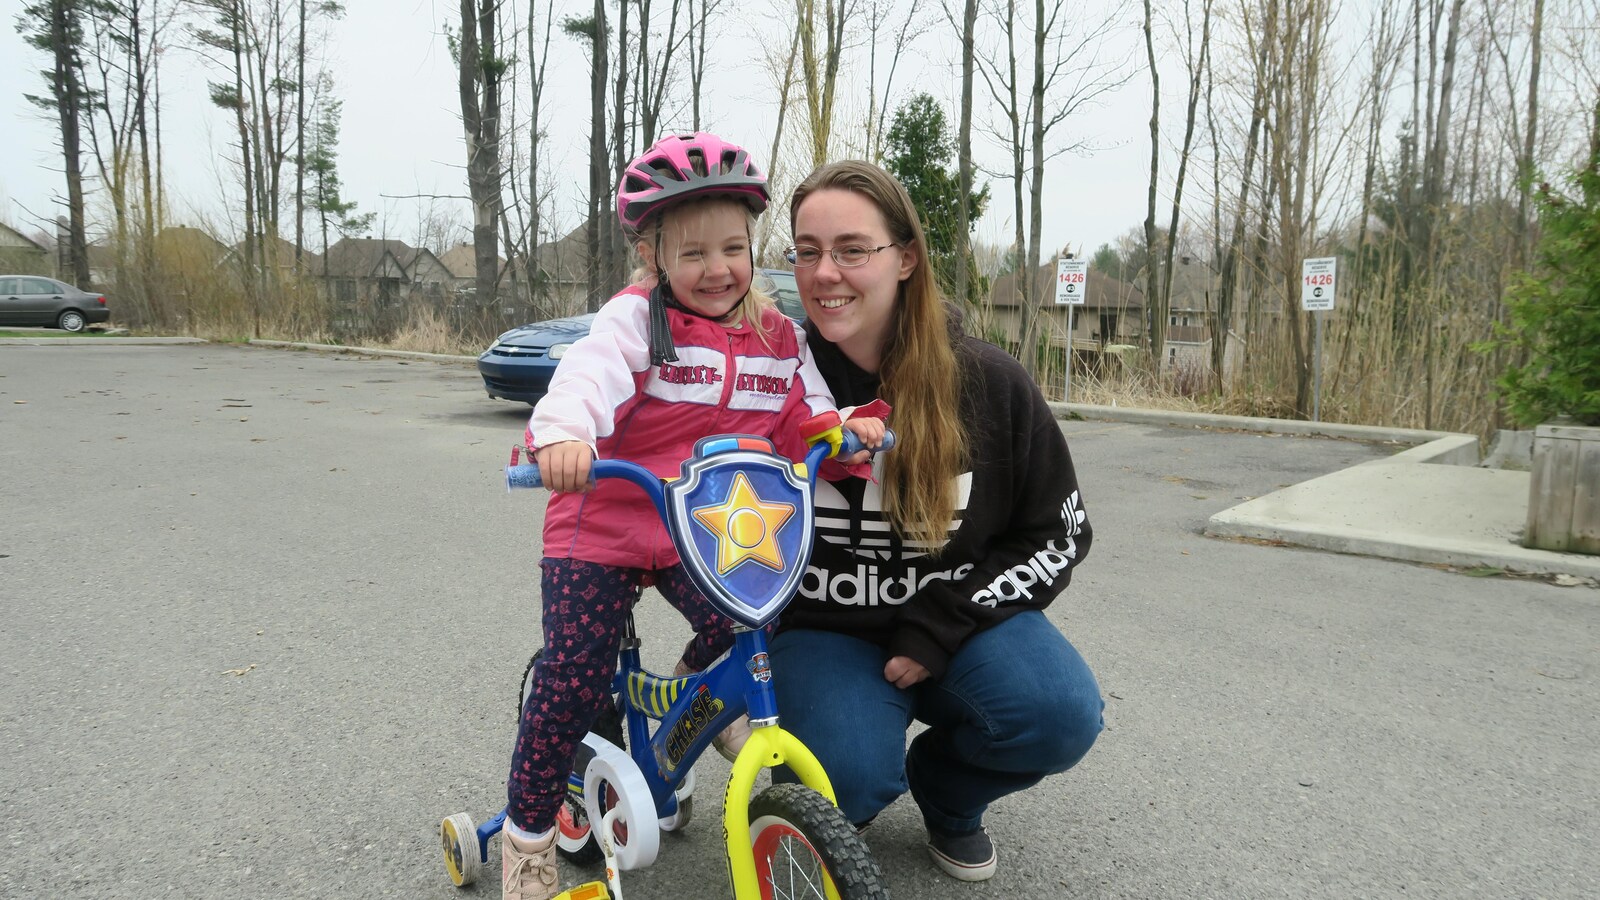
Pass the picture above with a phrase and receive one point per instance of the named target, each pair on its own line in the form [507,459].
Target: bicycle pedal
[594,890]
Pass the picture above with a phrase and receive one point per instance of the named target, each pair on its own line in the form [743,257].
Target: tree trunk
[598,180]
[1036,188]
[616,253]
[1529,137]
[479,86]
[1157,316]
[537,58]
[69,106]
[300,144]
[785,87]
[969,21]
[1228,278]
[1183,155]
[248,272]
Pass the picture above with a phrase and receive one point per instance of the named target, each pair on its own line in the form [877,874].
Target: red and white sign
[1318,278]
[1072,281]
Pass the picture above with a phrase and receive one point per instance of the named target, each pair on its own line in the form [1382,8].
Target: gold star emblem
[746,527]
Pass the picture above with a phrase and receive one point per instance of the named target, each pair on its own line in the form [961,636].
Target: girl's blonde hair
[676,217]
[919,373]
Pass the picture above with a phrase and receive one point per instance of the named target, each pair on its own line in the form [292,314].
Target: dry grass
[425,331]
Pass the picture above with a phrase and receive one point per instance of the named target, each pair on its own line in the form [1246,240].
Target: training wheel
[462,855]
[636,835]
[680,819]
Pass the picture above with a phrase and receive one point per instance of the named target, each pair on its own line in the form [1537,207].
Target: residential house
[1190,316]
[1111,316]
[22,255]
[185,252]
[462,261]
[564,275]
[277,253]
[383,273]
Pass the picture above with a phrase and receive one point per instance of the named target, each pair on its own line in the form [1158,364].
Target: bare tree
[55,27]
[1196,61]
[1156,326]
[969,21]
[481,69]
[912,27]
[699,41]
[1069,72]
[819,66]
[593,30]
[303,46]
[785,88]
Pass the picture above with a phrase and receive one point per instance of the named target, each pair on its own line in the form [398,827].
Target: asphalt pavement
[264,612]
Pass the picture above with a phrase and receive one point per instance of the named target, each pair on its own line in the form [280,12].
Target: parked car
[32,300]
[518,365]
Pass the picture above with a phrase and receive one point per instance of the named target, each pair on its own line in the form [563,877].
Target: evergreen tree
[1555,309]
[919,153]
[322,164]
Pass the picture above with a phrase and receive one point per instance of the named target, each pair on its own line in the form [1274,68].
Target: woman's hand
[903,672]
[565,466]
[870,429]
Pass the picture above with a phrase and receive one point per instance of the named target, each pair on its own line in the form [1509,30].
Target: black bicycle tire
[607,725]
[832,838]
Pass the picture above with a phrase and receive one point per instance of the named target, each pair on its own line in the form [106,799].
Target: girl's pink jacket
[606,394]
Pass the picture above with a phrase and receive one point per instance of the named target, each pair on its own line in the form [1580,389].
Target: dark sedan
[518,365]
[45,302]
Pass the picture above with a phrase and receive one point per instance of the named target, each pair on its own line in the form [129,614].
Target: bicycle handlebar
[526,476]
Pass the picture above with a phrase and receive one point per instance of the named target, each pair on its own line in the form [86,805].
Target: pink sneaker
[528,871]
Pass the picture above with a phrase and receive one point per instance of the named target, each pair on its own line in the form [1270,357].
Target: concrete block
[1564,490]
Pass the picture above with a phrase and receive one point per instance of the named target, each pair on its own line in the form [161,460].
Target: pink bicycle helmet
[683,166]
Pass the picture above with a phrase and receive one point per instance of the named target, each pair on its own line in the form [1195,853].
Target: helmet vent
[665,169]
[697,159]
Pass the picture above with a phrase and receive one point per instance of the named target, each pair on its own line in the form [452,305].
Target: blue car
[518,365]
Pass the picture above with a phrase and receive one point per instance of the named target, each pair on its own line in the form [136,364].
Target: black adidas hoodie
[1019,526]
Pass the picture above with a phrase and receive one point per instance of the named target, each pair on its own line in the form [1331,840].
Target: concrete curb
[1374,433]
[1309,515]
[87,341]
[364,351]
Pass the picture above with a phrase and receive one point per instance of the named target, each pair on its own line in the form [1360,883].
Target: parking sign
[1072,281]
[1318,278]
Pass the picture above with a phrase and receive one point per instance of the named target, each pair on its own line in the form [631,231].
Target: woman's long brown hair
[919,369]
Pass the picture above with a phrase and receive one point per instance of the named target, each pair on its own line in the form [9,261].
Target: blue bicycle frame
[692,709]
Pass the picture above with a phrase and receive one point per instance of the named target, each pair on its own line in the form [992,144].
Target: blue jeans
[1017,703]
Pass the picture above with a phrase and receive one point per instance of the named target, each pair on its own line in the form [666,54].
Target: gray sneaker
[965,857]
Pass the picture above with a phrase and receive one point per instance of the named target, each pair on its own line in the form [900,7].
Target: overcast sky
[401,131]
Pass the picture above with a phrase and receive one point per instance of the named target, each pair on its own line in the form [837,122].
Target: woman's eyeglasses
[846,256]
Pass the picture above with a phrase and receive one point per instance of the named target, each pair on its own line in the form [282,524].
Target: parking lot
[264,613]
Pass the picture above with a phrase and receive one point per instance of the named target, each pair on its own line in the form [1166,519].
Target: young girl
[687,351]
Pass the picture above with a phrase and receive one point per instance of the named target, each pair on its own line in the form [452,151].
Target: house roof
[363,257]
[566,260]
[462,261]
[10,237]
[1102,290]
[184,244]
[280,251]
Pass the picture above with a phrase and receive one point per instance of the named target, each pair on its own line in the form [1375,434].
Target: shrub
[1554,327]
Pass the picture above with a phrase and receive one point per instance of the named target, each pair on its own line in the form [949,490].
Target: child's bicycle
[741,518]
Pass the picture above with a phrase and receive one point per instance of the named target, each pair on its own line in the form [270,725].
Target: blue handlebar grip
[852,444]
[524,476]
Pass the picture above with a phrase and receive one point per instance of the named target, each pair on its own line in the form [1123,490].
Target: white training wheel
[680,819]
[462,855]
[636,835]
